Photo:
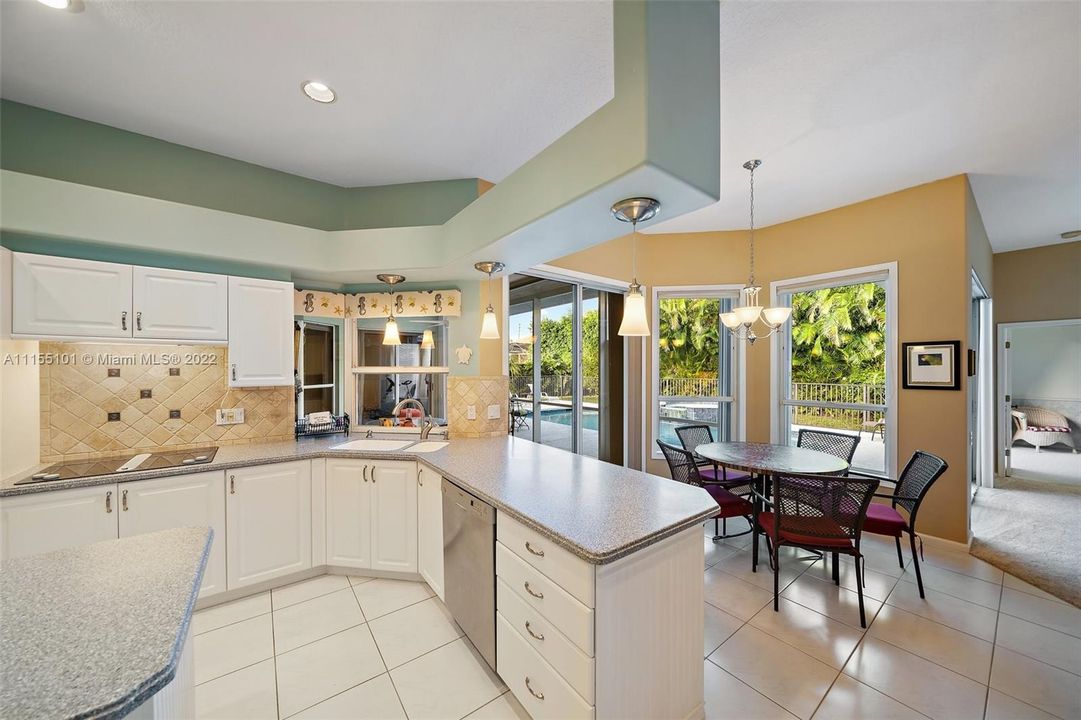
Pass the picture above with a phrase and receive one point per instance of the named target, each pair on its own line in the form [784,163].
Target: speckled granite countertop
[599,511]
[93,631]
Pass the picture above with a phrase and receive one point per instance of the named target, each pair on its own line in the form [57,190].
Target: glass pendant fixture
[427,342]
[390,332]
[634,211]
[489,328]
[742,319]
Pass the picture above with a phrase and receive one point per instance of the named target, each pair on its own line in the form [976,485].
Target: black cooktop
[121,463]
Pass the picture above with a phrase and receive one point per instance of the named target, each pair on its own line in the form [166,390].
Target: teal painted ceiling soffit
[658,136]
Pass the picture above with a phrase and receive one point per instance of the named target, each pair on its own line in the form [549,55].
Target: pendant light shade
[489,327]
[427,342]
[390,332]
[635,210]
[635,323]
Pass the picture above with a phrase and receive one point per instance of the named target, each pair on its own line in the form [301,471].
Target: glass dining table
[763,461]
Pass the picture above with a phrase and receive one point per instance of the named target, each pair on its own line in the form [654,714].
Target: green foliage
[689,337]
[556,338]
[838,335]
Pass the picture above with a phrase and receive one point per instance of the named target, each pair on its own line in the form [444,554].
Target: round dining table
[762,461]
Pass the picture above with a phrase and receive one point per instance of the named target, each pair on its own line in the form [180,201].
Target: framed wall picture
[931,365]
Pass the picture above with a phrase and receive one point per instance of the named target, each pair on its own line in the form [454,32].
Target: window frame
[739,356]
[335,327]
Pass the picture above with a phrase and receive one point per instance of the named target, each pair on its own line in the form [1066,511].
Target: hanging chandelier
[390,332]
[489,328]
[742,319]
[634,211]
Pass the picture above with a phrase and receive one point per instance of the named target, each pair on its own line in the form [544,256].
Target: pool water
[563,416]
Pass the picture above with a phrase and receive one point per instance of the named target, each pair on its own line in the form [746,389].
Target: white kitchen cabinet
[349,512]
[430,528]
[55,296]
[37,523]
[260,332]
[187,500]
[372,514]
[180,305]
[268,515]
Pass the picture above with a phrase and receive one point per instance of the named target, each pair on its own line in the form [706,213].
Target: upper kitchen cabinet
[180,305]
[61,297]
[260,332]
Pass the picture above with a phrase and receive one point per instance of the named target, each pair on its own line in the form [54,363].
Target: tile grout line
[994,646]
[274,657]
[752,688]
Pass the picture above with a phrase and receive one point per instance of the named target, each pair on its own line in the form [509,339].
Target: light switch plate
[493,412]
[229,416]
[471,412]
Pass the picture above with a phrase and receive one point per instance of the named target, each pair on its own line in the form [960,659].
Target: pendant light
[634,211]
[489,328]
[742,319]
[390,332]
[427,342]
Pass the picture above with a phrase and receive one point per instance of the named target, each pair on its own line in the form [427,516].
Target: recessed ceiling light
[1070,235]
[56,4]
[317,91]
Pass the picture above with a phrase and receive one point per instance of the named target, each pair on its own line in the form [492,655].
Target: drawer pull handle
[139,320]
[124,320]
[534,593]
[530,631]
[232,485]
[534,693]
[124,500]
[530,548]
[109,501]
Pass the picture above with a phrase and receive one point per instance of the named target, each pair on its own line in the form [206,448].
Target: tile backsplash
[480,391]
[145,387]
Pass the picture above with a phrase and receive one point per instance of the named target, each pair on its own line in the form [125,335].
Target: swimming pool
[563,416]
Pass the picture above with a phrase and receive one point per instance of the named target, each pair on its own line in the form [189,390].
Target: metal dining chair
[684,468]
[840,445]
[690,437]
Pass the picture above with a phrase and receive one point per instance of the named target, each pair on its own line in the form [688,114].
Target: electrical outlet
[471,412]
[493,412]
[229,416]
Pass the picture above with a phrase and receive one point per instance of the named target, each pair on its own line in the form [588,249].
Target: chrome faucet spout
[426,429]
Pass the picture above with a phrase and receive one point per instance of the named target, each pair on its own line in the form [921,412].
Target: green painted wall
[45,143]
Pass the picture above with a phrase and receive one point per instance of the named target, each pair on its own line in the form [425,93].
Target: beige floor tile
[1039,642]
[730,699]
[928,688]
[249,693]
[359,579]
[715,552]
[381,596]
[739,565]
[504,707]
[719,627]
[313,619]
[1035,683]
[734,596]
[788,677]
[1049,613]
[828,599]
[961,562]
[1016,583]
[876,585]
[232,647]
[451,681]
[883,558]
[953,649]
[371,700]
[1004,707]
[317,671]
[227,613]
[849,699]
[307,589]
[412,631]
[957,584]
[946,609]
[820,637]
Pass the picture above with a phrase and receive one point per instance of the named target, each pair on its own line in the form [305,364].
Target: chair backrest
[681,464]
[920,473]
[822,507]
[840,445]
[691,436]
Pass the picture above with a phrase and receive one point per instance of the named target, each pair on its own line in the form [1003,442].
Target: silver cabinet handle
[372,474]
[534,693]
[530,548]
[234,371]
[534,593]
[124,501]
[232,484]
[109,501]
[530,631]
[139,320]
[364,472]
[124,320]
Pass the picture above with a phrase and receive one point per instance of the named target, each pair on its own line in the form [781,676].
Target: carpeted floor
[1031,529]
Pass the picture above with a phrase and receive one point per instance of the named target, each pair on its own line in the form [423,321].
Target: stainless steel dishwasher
[469,566]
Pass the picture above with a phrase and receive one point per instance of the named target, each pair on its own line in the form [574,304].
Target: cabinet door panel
[394,516]
[174,304]
[268,518]
[46,521]
[260,332]
[67,297]
[184,501]
[349,528]
[430,529]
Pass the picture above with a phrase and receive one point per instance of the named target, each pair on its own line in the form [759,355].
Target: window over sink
[387,375]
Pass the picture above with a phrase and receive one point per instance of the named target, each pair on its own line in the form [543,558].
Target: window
[388,374]
[695,363]
[835,361]
[315,363]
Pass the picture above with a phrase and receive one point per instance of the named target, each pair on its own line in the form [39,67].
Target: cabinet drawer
[546,695]
[541,593]
[571,572]
[564,656]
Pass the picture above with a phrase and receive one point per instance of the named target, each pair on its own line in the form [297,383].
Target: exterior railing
[557,386]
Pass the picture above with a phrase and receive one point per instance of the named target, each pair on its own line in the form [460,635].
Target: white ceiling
[427,90]
[847,101]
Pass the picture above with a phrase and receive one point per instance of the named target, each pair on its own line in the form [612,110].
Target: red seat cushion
[716,474]
[731,505]
[813,530]
[884,520]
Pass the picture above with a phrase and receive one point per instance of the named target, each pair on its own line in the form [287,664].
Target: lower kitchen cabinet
[41,522]
[268,515]
[172,502]
[430,528]
[349,509]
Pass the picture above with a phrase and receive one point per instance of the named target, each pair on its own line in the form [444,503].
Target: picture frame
[934,365]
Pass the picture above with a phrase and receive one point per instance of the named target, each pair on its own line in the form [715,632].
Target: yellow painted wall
[923,229]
